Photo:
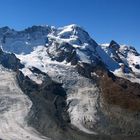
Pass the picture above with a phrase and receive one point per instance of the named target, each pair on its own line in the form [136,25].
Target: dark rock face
[115,90]
[44,30]
[63,51]
[114,45]
[114,48]
[137,66]
[48,105]
[120,100]
[10,61]
[121,92]
[134,51]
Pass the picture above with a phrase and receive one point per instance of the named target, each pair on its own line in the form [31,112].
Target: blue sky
[103,19]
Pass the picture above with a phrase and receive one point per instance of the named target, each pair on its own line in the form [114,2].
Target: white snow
[83,57]
[129,76]
[34,77]
[111,64]
[39,59]
[132,59]
[128,58]
[104,45]
[72,34]
[66,30]
[85,108]
[71,41]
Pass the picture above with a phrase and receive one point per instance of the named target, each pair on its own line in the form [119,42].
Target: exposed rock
[10,61]
[63,51]
[114,45]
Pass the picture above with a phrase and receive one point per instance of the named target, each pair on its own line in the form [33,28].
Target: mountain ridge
[78,89]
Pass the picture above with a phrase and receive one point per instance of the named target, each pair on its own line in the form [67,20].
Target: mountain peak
[114,44]
[72,29]
[4,30]
[76,34]
[71,26]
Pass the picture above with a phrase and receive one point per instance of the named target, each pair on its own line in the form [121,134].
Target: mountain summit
[58,83]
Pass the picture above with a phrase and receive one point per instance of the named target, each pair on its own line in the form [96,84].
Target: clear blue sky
[103,19]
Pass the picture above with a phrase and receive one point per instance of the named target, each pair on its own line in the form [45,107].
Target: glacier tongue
[82,96]
[14,107]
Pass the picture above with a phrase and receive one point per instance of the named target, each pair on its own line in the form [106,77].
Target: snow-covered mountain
[70,87]
[128,59]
